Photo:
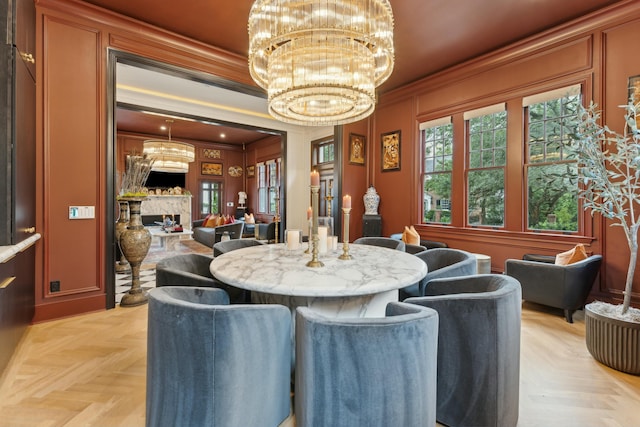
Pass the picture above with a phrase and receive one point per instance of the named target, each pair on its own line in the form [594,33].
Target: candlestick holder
[329,198]
[308,250]
[314,228]
[345,227]
[276,218]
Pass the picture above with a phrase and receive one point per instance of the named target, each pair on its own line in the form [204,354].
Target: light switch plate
[82,212]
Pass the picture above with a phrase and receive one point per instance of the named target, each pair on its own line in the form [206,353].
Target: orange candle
[315,179]
[346,202]
[309,212]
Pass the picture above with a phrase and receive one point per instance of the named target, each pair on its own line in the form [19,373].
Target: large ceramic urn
[122,265]
[371,201]
[134,242]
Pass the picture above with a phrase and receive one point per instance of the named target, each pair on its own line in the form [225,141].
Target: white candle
[322,239]
[293,239]
[334,243]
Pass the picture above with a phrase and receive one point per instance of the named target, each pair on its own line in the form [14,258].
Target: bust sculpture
[242,198]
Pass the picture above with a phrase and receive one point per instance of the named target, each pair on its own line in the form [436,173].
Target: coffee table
[169,241]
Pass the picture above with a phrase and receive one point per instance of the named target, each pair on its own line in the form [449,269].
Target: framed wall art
[357,149]
[211,168]
[209,153]
[251,171]
[390,151]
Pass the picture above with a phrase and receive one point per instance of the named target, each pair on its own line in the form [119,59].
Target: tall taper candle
[346,202]
[315,179]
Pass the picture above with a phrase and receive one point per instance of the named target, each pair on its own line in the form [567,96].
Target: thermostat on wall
[82,212]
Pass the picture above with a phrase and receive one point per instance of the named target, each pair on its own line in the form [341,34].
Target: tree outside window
[552,185]
[487,145]
[437,165]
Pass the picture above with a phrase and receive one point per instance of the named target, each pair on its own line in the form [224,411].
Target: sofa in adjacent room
[211,235]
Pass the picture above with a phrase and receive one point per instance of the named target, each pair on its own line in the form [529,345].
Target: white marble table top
[273,269]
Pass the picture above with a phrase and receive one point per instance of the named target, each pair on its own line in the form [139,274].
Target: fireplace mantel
[169,205]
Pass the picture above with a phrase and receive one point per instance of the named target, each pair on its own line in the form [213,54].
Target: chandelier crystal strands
[320,61]
[168,155]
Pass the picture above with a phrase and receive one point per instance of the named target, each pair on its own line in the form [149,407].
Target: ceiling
[430,35]
[149,124]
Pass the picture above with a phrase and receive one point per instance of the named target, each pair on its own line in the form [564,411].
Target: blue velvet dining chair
[441,262]
[478,349]
[385,242]
[369,372]
[213,364]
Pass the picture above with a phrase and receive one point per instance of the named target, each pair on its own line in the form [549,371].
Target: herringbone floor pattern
[90,371]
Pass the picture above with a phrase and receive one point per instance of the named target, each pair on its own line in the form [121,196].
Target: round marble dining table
[360,287]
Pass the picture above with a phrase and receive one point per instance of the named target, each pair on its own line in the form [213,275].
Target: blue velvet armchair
[373,372]
[213,364]
[478,349]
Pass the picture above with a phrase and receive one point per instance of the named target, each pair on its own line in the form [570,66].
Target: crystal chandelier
[168,155]
[320,61]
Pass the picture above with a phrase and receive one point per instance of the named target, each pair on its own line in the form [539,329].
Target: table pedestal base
[373,305]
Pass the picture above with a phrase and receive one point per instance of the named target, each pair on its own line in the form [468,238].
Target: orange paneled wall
[593,52]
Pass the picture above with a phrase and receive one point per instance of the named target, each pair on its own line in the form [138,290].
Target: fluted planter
[134,242]
[122,265]
[613,342]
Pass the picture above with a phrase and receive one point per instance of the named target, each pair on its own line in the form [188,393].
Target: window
[262,187]
[437,140]
[210,197]
[268,185]
[552,185]
[325,152]
[486,156]
[274,185]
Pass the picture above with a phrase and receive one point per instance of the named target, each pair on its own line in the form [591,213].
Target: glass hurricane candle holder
[293,239]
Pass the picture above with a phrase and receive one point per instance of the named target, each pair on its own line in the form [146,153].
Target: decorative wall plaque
[235,171]
[210,153]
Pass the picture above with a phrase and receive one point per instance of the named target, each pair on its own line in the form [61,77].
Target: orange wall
[72,41]
[594,52]
[355,177]
[72,147]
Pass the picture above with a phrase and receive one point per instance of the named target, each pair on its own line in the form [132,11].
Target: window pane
[209,197]
[262,199]
[486,134]
[437,164]
[486,197]
[552,189]
[553,197]
[437,198]
[272,199]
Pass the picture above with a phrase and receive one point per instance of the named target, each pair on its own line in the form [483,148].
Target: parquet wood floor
[90,371]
